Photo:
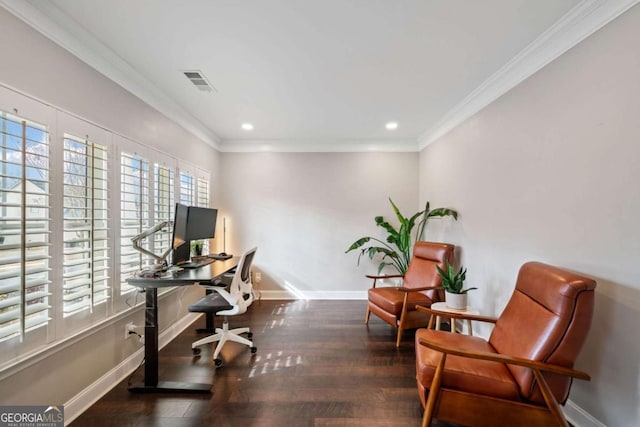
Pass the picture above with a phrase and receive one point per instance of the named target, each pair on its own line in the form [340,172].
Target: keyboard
[197,264]
[219,256]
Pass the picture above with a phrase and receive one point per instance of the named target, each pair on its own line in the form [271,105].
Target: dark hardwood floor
[317,365]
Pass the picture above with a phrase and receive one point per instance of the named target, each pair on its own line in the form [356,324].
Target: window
[203,201]
[203,193]
[65,247]
[164,205]
[194,191]
[187,189]
[134,214]
[85,218]
[24,233]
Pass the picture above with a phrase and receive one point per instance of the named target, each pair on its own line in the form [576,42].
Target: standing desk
[150,285]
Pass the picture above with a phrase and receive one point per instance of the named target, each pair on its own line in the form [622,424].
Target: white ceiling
[314,74]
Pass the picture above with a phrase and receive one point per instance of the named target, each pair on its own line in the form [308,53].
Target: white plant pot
[456,301]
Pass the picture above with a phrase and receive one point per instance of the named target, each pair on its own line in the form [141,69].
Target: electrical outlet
[129,327]
[257,276]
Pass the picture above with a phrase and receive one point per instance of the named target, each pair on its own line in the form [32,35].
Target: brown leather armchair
[517,377]
[420,286]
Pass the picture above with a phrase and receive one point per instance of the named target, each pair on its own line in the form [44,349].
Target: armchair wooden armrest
[426,288]
[502,358]
[376,277]
[389,276]
[454,315]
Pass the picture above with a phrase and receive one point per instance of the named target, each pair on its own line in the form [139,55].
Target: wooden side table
[444,309]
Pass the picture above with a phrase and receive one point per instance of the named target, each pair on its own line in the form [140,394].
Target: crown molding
[318,146]
[579,23]
[584,19]
[47,19]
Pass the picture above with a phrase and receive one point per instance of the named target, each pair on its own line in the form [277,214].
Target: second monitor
[191,223]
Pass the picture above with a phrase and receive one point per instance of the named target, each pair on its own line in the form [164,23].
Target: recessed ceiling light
[391,125]
[247,126]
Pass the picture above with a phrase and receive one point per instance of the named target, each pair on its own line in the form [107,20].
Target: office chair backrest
[241,288]
[547,319]
[422,268]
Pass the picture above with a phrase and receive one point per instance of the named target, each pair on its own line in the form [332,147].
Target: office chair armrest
[375,277]
[511,360]
[461,315]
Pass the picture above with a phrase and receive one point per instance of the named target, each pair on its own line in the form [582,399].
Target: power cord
[138,335]
[135,301]
[135,370]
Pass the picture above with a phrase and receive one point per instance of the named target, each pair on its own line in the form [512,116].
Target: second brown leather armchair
[420,286]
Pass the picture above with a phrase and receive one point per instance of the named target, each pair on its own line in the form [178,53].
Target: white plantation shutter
[86,280]
[164,205]
[134,214]
[202,200]
[187,189]
[24,226]
[203,193]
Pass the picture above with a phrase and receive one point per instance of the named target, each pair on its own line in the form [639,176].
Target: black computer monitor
[201,223]
[180,243]
[191,223]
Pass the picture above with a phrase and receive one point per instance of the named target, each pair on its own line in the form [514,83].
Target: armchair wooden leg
[550,400]
[399,336]
[402,318]
[434,390]
[367,315]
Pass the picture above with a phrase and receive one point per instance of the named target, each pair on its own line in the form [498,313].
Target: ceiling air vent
[199,80]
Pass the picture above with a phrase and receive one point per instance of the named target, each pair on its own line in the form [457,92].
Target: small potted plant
[196,248]
[452,282]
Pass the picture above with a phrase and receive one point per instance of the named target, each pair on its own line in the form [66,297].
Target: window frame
[60,329]
[33,111]
[70,125]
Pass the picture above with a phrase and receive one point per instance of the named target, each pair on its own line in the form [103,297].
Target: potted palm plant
[396,251]
[455,296]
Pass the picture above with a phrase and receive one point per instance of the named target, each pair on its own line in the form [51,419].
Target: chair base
[222,336]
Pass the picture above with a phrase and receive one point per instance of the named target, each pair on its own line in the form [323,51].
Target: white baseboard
[90,395]
[579,417]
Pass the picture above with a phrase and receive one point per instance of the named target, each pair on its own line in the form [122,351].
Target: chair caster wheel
[196,350]
[254,350]
[218,362]
[250,335]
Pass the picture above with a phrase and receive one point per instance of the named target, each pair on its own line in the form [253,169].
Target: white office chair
[225,303]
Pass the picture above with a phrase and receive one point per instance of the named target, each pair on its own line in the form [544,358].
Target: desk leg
[151,383]
[151,338]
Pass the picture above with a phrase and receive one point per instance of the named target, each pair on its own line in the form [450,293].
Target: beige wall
[551,172]
[36,66]
[304,210]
